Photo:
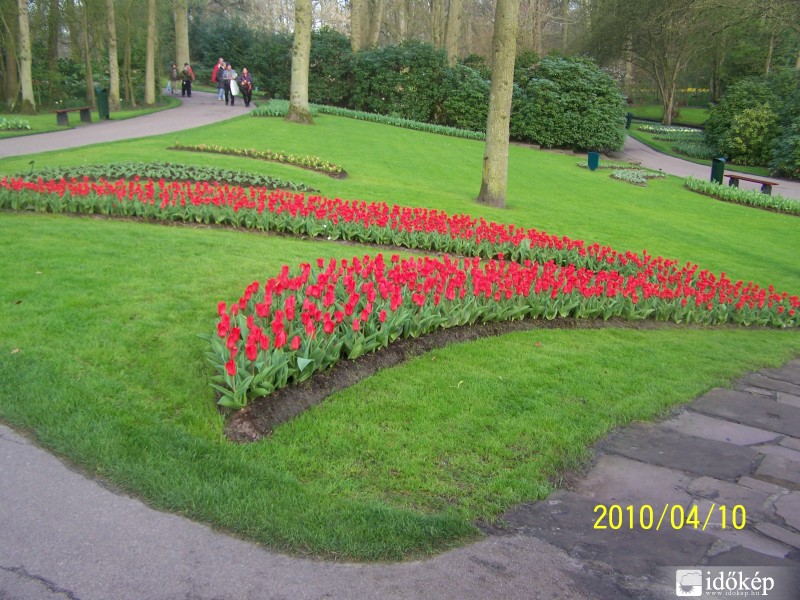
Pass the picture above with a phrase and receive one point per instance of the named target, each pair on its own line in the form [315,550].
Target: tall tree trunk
[87,57]
[495,157]
[437,22]
[113,58]
[537,14]
[10,73]
[301,53]
[452,37]
[375,22]
[130,94]
[150,64]
[564,26]
[181,10]
[770,50]
[25,60]
[357,8]
[797,62]
[53,26]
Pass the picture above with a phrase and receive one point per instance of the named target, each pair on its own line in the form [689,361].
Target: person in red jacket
[216,77]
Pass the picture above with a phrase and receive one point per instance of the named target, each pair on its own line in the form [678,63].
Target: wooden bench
[62,118]
[766,186]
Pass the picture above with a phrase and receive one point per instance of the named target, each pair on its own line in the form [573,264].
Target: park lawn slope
[546,189]
[100,358]
[100,354]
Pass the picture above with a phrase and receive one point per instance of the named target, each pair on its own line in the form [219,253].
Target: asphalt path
[636,151]
[201,109]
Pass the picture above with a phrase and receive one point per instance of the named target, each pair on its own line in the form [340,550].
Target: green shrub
[747,93]
[401,81]
[746,123]
[786,152]
[466,99]
[570,102]
[330,68]
[749,139]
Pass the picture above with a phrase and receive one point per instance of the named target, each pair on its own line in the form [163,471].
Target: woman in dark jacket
[245,81]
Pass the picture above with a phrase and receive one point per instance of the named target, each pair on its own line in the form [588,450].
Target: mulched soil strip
[263,415]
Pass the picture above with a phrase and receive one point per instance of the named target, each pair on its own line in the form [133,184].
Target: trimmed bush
[570,102]
[466,99]
[400,81]
[749,139]
[786,152]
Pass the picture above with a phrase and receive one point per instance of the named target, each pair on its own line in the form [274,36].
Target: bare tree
[25,60]
[495,157]
[301,54]
[661,38]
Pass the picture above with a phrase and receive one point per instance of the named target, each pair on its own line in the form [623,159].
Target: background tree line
[655,48]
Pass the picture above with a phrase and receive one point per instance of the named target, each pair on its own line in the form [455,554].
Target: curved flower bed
[305,320]
[312,163]
[301,214]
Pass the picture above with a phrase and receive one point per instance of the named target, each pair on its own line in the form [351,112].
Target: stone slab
[757,504]
[788,372]
[779,470]
[790,399]
[566,520]
[744,557]
[763,486]
[770,383]
[618,479]
[758,391]
[788,507]
[669,448]
[791,442]
[778,451]
[746,538]
[747,409]
[776,532]
[722,430]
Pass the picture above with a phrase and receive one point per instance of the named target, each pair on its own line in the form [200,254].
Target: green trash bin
[717,170]
[593,160]
[101,96]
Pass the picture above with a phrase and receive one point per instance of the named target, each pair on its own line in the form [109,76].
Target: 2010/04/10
[618,516]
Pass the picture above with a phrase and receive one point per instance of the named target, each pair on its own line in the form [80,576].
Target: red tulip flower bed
[306,319]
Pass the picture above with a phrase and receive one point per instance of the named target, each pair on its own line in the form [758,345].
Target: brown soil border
[263,415]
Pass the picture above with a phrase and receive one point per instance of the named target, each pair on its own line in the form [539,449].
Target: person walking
[174,78]
[227,75]
[216,77]
[246,86]
[187,77]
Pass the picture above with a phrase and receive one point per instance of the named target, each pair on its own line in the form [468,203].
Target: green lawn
[100,355]
[46,121]
[693,116]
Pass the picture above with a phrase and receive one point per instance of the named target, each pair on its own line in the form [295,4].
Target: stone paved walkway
[731,448]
